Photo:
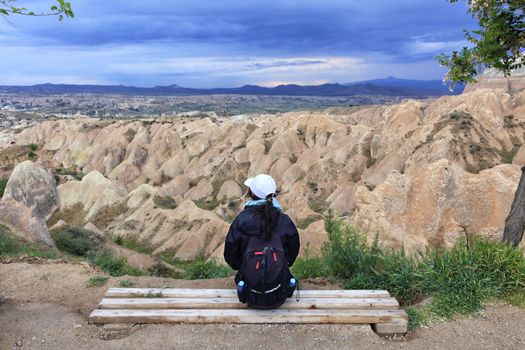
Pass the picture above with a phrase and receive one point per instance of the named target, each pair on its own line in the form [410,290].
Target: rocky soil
[47,306]
[417,173]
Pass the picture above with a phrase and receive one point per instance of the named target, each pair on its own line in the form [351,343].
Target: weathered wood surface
[247,316]
[233,303]
[171,305]
[232,293]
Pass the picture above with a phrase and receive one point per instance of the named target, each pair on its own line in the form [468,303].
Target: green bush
[10,245]
[96,281]
[306,222]
[126,284]
[3,184]
[115,266]
[209,204]
[309,267]
[201,269]
[33,147]
[75,240]
[131,242]
[164,202]
[459,280]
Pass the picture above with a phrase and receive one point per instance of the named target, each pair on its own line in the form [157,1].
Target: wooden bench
[168,305]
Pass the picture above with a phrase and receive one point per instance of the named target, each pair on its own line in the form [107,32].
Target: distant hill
[381,87]
[434,86]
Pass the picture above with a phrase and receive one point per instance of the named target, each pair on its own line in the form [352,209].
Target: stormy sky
[214,43]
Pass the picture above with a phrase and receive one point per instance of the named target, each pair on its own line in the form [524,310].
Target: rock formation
[30,198]
[493,79]
[416,173]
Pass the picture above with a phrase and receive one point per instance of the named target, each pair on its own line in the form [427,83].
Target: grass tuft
[11,245]
[202,269]
[115,266]
[308,266]
[96,281]
[460,280]
[126,284]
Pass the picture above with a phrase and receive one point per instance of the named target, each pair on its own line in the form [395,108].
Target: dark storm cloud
[278,27]
[212,43]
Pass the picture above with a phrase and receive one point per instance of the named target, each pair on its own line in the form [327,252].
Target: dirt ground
[47,304]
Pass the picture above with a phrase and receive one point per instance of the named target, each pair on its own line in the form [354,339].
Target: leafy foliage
[61,8]
[498,43]
[75,240]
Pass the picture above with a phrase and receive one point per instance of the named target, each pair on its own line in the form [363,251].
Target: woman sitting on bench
[262,244]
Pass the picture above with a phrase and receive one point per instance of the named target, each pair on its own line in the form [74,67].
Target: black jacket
[249,223]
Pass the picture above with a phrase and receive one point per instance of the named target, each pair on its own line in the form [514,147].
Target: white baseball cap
[261,185]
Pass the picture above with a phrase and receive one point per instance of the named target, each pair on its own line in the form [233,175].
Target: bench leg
[397,327]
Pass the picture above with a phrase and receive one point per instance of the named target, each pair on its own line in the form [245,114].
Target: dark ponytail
[270,215]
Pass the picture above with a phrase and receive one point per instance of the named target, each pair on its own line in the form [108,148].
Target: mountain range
[389,86]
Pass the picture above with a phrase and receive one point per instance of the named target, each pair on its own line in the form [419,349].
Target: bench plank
[232,293]
[246,316]
[233,303]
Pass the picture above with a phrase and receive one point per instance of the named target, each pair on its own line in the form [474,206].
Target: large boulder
[29,199]
[20,220]
[33,187]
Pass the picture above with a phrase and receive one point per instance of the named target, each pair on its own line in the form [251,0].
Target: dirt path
[47,305]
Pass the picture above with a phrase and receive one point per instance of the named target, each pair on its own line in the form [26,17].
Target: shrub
[96,281]
[75,240]
[33,147]
[309,267]
[318,205]
[126,284]
[131,242]
[459,280]
[115,266]
[209,204]
[162,270]
[164,202]
[306,222]
[3,184]
[10,245]
[201,269]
